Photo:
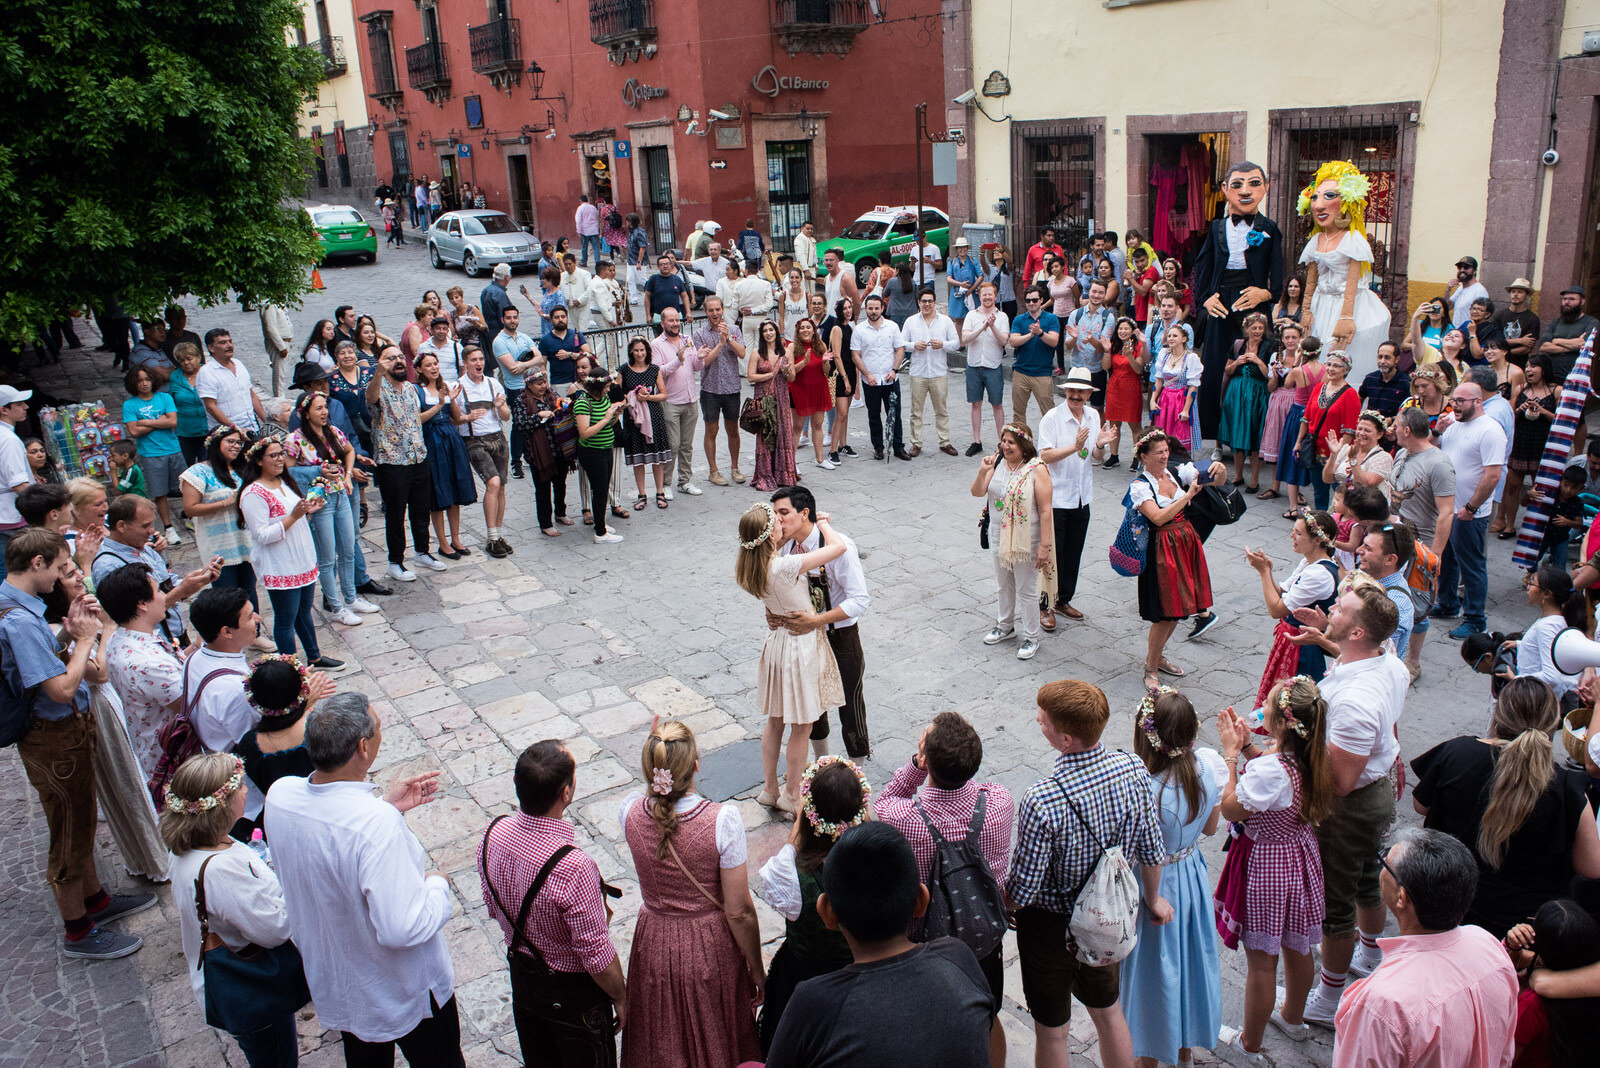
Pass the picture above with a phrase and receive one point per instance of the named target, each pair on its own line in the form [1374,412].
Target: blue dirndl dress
[1172,981]
[447,460]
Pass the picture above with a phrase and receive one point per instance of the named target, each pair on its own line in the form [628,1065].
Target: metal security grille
[1375,141]
[1054,182]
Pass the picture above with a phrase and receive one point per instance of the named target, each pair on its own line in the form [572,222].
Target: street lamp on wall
[536,78]
[809,123]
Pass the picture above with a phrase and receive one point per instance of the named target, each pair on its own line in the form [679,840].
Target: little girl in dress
[1280,796]
[798,676]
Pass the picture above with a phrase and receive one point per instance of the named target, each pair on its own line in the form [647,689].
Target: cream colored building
[336,122]
[1117,109]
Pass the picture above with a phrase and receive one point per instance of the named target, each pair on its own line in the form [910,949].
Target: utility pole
[920,134]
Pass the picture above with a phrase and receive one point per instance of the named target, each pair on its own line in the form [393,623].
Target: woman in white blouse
[244,903]
[1362,462]
[271,508]
[1550,591]
[1314,584]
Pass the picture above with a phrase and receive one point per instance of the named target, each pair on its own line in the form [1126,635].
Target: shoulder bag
[1220,503]
[250,988]
[1132,541]
[1104,925]
[1307,454]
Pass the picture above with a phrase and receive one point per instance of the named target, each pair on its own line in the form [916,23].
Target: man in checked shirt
[947,758]
[1056,851]
[566,978]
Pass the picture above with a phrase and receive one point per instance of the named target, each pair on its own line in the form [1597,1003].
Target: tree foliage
[152,152]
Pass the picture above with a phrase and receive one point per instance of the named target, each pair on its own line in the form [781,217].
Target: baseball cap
[1467,261]
[13,395]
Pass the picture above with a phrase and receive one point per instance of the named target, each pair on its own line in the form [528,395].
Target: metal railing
[821,13]
[333,61]
[426,67]
[611,20]
[496,46]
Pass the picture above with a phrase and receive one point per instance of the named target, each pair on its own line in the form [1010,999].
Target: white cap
[12,395]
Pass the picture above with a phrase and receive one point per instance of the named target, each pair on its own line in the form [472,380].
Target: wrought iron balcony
[496,49]
[333,61]
[427,71]
[627,28]
[819,26]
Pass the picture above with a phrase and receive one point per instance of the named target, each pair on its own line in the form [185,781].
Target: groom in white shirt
[839,598]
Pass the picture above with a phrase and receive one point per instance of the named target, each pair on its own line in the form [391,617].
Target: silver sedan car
[478,240]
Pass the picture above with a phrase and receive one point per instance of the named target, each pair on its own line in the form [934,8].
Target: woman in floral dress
[770,372]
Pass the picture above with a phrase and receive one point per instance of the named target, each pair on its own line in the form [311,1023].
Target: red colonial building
[777,110]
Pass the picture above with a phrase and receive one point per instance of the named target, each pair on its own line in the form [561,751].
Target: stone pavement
[586,643]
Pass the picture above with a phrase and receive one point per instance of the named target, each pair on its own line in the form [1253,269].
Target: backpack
[16,710]
[964,900]
[178,740]
[614,219]
[1422,577]
[1104,926]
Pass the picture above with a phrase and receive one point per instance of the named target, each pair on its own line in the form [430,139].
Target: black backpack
[614,219]
[964,900]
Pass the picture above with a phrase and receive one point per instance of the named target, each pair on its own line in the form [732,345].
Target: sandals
[1292,513]
[620,514]
[1238,482]
[638,503]
[1169,668]
[1268,495]
[1253,489]
[550,532]
[1151,681]
[588,518]
[661,501]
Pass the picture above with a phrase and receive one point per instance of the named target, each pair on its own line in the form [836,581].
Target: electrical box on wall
[1591,42]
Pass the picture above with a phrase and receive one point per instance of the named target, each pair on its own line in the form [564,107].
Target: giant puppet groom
[1239,267]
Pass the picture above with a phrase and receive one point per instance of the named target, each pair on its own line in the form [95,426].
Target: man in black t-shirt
[1564,335]
[1517,322]
[899,1002]
[667,289]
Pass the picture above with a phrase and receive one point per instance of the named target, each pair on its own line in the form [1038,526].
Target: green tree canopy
[152,152]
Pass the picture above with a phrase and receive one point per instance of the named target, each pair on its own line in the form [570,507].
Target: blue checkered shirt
[1055,852]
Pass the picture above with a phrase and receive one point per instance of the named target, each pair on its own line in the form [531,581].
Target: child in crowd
[1172,986]
[1280,797]
[1358,509]
[1564,937]
[833,798]
[125,466]
[1494,655]
[1566,517]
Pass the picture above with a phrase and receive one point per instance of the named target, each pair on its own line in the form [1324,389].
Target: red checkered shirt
[951,812]
[568,919]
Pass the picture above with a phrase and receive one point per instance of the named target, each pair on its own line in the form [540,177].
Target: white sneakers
[610,537]
[689,488]
[827,465]
[1321,1007]
[363,606]
[173,537]
[346,617]
[400,574]
[996,636]
[1029,647]
[428,561]
[666,492]
[1364,963]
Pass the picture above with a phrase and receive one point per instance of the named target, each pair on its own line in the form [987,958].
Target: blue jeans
[1464,563]
[291,615]
[333,530]
[361,557]
[273,1046]
[1321,492]
[583,250]
[243,576]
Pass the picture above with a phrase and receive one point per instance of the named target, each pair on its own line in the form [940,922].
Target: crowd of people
[896,907]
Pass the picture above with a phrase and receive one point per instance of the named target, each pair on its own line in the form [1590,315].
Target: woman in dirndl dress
[1314,584]
[1300,383]
[1175,582]
[1175,383]
[1280,399]
[1270,894]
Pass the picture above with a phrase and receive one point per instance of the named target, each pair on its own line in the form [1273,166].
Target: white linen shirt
[223,714]
[369,923]
[449,356]
[487,390]
[1071,477]
[847,583]
[876,346]
[231,390]
[1365,699]
[14,471]
[984,347]
[575,287]
[244,904]
[930,362]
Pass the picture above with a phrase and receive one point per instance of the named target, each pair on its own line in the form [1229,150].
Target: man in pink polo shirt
[1445,995]
[678,359]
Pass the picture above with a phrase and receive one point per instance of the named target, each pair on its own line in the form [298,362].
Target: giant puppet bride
[1343,311]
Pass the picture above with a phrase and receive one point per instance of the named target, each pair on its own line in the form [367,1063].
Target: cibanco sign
[770,82]
[635,92]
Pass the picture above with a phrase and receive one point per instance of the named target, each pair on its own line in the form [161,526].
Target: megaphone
[1571,651]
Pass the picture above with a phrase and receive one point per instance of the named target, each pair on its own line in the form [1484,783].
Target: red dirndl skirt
[1175,583]
[1228,901]
[1283,661]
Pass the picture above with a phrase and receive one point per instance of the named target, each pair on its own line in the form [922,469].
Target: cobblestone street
[587,642]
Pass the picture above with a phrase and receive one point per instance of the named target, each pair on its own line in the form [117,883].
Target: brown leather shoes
[1071,612]
[948,449]
[1047,620]
[916,450]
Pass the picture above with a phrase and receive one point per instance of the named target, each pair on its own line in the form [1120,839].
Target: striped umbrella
[1557,451]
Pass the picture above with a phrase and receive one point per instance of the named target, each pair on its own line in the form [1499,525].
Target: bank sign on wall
[771,83]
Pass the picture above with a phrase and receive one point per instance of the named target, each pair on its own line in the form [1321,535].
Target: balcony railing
[333,61]
[625,27]
[427,71]
[819,26]
[496,49]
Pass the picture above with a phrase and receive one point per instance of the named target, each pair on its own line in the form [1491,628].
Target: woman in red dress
[1125,388]
[810,393]
[1331,415]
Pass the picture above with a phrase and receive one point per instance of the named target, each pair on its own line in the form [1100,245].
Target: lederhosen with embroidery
[846,643]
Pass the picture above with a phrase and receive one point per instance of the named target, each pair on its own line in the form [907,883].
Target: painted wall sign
[635,92]
[770,82]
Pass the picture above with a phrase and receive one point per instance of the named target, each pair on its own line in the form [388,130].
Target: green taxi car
[887,234]
[343,231]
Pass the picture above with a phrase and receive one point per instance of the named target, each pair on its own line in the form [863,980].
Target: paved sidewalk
[586,643]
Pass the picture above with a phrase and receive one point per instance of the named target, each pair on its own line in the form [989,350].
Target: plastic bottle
[258,842]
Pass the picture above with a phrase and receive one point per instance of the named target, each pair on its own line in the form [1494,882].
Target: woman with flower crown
[798,677]
[281,691]
[1172,981]
[694,973]
[1343,310]
[833,798]
[1270,895]
[1314,583]
[244,902]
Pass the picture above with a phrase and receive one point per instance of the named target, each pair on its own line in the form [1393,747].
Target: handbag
[250,988]
[1132,541]
[1306,455]
[564,436]
[983,526]
[1221,504]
